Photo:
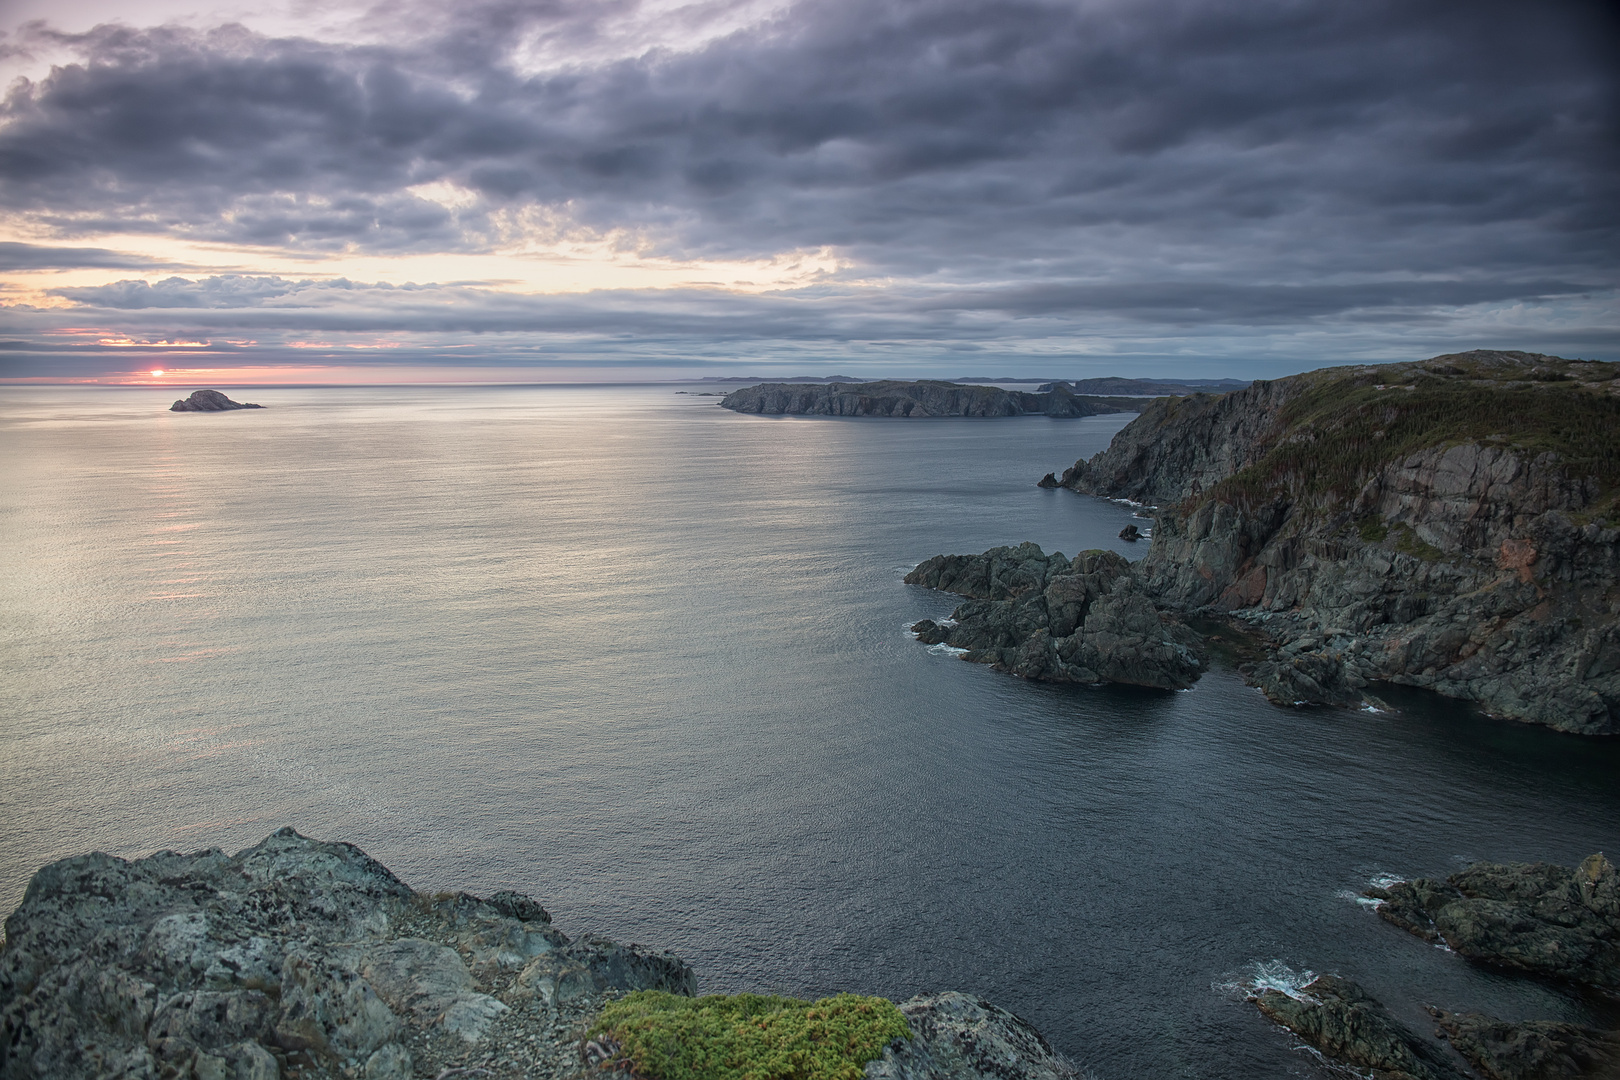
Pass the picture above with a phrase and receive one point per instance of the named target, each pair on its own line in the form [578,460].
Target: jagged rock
[592,965]
[957,1037]
[1129,532]
[1532,917]
[1047,618]
[1340,1019]
[1304,678]
[1482,567]
[290,952]
[1531,1049]
[309,958]
[915,399]
[1047,481]
[209,401]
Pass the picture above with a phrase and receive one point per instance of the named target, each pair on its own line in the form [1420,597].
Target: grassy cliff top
[1339,426]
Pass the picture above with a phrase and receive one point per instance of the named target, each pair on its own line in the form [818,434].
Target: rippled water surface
[644,659]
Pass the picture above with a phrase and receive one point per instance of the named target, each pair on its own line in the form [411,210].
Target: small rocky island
[919,399]
[1452,525]
[1048,618]
[209,401]
[1531,919]
[297,958]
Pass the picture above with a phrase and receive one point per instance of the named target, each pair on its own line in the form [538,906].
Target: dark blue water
[645,660]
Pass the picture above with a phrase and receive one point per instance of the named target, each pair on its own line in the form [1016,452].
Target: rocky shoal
[302,959]
[1526,918]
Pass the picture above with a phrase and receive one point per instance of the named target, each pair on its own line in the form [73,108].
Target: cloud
[19,256]
[1172,166]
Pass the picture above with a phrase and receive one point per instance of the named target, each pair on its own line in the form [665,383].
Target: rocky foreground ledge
[1526,918]
[298,958]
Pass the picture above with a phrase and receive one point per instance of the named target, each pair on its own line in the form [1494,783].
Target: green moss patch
[750,1036]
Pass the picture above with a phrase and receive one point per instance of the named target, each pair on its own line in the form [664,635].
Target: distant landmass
[922,398]
[1108,387]
[1142,387]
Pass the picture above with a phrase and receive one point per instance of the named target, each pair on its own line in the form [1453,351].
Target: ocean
[646,660]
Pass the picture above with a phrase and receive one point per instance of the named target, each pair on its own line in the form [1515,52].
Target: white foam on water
[1384,881]
[943,649]
[1269,975]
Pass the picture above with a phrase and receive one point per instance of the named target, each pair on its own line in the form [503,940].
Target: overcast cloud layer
[1208,187]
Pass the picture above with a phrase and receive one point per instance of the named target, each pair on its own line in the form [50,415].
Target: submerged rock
[209,401]
[1340,1019]
[1047,618]
[1531,917]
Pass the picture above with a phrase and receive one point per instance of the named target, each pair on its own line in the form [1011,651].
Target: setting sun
[157,372]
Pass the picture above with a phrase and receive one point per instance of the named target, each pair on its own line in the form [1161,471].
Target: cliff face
[1450,525]
[914,399]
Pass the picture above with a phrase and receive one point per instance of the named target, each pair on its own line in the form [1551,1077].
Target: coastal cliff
[917,399]
[302,959]
[1450,524]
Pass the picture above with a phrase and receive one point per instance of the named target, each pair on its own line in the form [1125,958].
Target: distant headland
[921,398]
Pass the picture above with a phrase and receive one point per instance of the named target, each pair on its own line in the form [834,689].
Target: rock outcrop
[1047,618]
[292,957]
[956,1036]
[1339,1018]
[916,399]
[1530,917]
[297,958]
[1527,918]
[209,401]
[1451,525]
[1531,1049]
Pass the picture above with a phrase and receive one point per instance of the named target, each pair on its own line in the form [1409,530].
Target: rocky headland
[297,958]
[1049,618]
[209,401]
[1524,918]
[917,399]
[1449,524]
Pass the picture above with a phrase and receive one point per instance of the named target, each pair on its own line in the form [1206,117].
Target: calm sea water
[645,660]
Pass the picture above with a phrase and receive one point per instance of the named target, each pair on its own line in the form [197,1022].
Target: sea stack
[209,401]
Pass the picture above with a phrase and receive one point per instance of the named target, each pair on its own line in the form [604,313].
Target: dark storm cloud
[1006,172]
[914,134]
[234,305]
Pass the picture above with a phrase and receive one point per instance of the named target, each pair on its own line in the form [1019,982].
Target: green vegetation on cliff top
[750,1036]
[1346,424]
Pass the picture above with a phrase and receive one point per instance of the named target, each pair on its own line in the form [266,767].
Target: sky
[262,191]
